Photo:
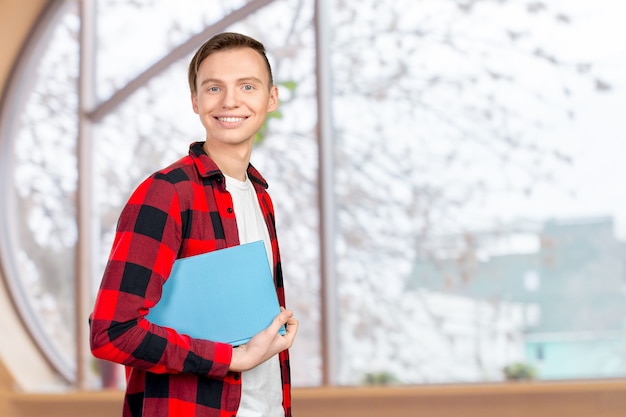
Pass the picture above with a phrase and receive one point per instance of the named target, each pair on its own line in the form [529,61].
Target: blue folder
[225,296]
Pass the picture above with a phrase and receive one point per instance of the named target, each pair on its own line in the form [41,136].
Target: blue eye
[214,89]
[248,87]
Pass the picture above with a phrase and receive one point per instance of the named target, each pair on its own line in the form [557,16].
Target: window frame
[89,112]
[14,99]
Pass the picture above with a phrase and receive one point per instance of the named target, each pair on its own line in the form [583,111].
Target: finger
[284,316]
[281,319]
[292,326]
[290,335]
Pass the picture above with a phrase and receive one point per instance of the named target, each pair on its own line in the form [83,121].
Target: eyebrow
[239,81]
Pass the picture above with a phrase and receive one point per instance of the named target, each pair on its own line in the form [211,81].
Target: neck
[232,161]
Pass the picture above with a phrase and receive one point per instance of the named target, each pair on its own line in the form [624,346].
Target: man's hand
[266,343]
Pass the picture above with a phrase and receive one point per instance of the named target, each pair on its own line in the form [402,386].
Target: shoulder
[171,183]
[180,171]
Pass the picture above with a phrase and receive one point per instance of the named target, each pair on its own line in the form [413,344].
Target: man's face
[233,96]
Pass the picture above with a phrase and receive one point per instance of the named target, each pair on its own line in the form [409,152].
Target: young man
[211,199]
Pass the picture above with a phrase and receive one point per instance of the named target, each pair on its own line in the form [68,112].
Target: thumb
[281,319]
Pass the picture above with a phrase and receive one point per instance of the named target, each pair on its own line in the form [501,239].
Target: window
[470,189]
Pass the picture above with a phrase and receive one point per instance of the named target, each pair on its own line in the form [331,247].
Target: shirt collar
[208,168]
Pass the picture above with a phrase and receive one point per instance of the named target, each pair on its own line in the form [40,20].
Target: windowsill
[603,398]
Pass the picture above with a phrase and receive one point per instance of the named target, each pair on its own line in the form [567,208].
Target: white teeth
[230,119]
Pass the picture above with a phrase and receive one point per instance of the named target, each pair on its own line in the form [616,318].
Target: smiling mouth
[231,119]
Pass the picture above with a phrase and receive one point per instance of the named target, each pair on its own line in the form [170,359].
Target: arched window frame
[90,111]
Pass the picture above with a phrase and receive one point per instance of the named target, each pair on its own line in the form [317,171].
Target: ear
[194,102]
[272,103]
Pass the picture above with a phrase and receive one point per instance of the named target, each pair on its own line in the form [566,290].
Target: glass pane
[139,33]
[477,229]
[155,126]
[42,190]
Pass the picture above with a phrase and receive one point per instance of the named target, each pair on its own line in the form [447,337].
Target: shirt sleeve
[147,241]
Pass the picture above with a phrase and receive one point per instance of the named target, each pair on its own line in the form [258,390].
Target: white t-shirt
[261,387]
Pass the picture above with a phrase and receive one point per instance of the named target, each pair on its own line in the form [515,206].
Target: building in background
[572,274]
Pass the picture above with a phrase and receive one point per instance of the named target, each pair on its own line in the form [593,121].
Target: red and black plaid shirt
[180,211]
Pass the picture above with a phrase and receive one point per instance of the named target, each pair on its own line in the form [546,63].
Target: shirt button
[237,376]
[229,209]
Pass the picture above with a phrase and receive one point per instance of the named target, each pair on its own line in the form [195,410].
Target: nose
[231,98]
